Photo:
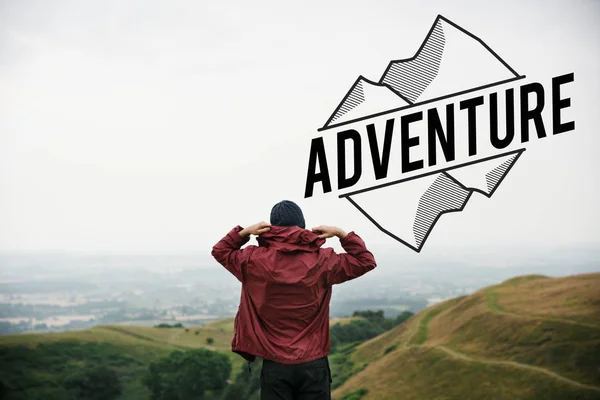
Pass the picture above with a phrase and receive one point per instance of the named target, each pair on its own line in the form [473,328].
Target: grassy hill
[531,337]
[37,363]
[127,349]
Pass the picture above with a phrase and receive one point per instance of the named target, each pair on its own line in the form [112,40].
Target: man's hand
[256,229]
[326,232]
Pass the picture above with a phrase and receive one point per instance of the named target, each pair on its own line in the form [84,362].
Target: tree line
[370,324]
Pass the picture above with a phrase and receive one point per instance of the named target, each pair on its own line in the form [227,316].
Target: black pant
[307,381]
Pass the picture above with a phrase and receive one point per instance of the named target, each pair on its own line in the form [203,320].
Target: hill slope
[35,365]
[528,338]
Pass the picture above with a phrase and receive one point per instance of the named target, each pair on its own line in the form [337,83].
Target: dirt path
[419,327]
[541,370]
[412,331]
[497,308]
[494,307]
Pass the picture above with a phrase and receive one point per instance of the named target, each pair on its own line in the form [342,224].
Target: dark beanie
[287,213]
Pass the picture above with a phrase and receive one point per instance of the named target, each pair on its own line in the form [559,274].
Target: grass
[341,366]
[140,345]
[570,299]
[421,336]
[427,373]
[374,348]
[390,349]
[355,395]
[569,350]
[224,325]
[343,320]
[181,339]
[39,371]
[524,278]
[491,301]
[479,346]
[422,333]
[132,347]
[529,337]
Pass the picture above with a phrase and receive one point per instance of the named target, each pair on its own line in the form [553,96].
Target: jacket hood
[290,238]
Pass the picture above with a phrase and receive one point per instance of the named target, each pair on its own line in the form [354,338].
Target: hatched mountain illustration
[366,98]
[449,60]
[438,69]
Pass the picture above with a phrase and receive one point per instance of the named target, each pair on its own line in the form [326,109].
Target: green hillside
[530,337]
[36,366]
[38,363]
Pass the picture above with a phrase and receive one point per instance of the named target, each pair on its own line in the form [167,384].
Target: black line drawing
[355,97]
[447,194]
[413,76]
[388,99]
[415,81]
[393,110]
[517,152]
[444,195]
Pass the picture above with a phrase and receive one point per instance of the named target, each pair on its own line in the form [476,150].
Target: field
[127,349]
[530,337]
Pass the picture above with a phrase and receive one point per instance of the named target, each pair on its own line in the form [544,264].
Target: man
[283,316]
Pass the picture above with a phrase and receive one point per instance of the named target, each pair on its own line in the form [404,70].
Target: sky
[155,127]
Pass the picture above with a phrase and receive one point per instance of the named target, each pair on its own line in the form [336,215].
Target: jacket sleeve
[228,252]
[355,262]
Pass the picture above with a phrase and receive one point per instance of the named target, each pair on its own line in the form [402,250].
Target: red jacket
[283,314]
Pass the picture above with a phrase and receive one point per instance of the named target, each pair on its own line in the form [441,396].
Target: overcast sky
[155,127]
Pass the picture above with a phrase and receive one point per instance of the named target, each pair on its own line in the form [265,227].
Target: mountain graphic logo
[451,61]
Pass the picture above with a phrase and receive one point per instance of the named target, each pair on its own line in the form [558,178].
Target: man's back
[286,290]
[283,316]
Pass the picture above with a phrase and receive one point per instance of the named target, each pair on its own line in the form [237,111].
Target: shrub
[187,375]
[390,349]
[177,325]
[355,395]
[99,383]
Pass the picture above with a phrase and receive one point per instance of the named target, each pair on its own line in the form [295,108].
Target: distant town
[50,293]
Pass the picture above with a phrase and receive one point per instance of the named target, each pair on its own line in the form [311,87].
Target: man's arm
[229,253]
[355,262]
